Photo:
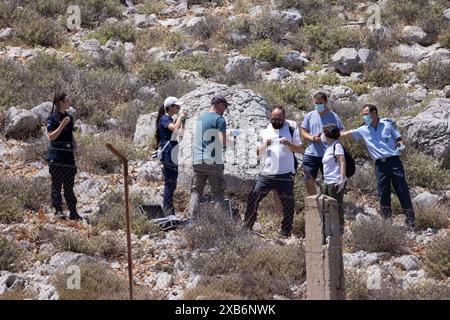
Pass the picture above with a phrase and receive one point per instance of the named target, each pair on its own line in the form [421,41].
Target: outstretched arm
[346,135]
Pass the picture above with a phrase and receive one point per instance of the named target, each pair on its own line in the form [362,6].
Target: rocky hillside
[117,66]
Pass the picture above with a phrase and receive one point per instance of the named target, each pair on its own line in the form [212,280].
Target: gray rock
[21,124]
[407,263]
[193,281]
[348,60]
[145,129]
[402,66]
[413,34]
[42,111]
[166,56]
[238,64]
[61,260]
[150,171]
[146,93]
[412,53]
[278,74]
[164,280]
[342,92]
[295,60]
[144,21]
[429,131]
[447,14]
[92,48]
[426,200]
[248,112]
[84,128]
[419,94]
[291,18]
[447,91]
[6,33]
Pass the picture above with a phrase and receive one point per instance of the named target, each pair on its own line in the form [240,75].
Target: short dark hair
[331,131]
[279,107]
[321,95]
[371,107]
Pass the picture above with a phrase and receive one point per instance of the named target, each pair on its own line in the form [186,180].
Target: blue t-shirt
[165,134]
[314,123]
[381,141]
[60,150]
[207,147]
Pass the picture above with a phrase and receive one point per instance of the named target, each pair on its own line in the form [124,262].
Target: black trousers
[63,175]
[284,185]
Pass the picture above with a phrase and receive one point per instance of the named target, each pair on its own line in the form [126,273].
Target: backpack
[291,131]
[350,167]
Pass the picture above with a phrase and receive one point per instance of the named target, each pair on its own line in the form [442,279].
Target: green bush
[35,30]
[94,12]
[378,73]
[437,257]
[265,50]
[152,7]
[123,31]
[374,234]
[359,88]
[424,171]
[431,216]
[434,74]
[50,8]
[157,72]
[174,41]
[313,11]
[444,39]
[208,27]
[293,93]
[10,255]
[266,26]
[207,66]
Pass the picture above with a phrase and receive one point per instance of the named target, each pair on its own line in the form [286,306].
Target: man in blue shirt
[384,144]
[208,165]
[312,128]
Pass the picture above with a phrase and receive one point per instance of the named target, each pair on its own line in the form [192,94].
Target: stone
[413,34]
[92,48]
[295,60]
[348,60]
[164,280]
[248,112]
[447,14]
[61,260]
[85,128]
[113,44]
[412,53]
[238,64]
[42,111]
[150,172]
[447,91]
[193,281]
[419,94]
[6,33]
[342,92]
[21,124]
[278,74]
[145,129]
[291,18]
[144,21]
[426,200]
[407,263]
[430,129]
[146,93]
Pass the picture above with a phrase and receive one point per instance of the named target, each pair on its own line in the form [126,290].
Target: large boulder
[92,48]
[348,60]
[145,129]
[429,131]
[238,64]
[248,112]
[412,53]
[413,34]
[21,124]
[42,111]
[295,60]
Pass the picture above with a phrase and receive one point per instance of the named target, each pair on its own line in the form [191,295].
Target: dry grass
[375,234]
[431,216]
[10,255]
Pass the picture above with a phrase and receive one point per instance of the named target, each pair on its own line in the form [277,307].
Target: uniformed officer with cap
[384,144]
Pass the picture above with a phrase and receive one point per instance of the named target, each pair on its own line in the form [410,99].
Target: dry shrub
[98,283]
[374,234]
[10,255]
[434,74]
[428,216]
[437,257]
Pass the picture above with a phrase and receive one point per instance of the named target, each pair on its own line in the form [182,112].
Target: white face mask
[323,138]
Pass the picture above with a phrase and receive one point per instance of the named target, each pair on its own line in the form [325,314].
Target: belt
[386,159]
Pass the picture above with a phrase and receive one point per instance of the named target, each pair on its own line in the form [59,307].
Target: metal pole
[124,162]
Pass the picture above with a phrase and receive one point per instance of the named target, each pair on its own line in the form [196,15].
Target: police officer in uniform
[384,144]
[61,158]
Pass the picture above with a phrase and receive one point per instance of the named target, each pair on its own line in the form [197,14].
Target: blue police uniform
[381,142]
[170,167]
[61,162]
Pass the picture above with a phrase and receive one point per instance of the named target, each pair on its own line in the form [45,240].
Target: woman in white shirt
[334,174]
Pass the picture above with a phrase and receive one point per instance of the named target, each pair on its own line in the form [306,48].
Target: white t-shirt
[278,159]
[331,168]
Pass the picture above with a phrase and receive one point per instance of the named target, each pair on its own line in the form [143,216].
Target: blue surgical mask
[367,119]
[320,107]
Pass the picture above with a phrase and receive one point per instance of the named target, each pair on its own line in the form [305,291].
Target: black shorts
[311,166]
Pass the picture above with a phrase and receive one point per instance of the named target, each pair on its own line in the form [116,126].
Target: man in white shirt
[279,143]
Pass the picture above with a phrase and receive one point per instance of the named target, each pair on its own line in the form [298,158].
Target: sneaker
[59,214]
[75,216]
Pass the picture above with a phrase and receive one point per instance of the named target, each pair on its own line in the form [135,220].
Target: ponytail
[161,112]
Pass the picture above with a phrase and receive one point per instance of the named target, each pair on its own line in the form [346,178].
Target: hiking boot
[283,234]
[59,214]
[75,216]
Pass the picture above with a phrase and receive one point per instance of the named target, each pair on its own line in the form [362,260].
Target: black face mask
[277,124]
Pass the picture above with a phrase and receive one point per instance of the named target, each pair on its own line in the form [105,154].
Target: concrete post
[324,265]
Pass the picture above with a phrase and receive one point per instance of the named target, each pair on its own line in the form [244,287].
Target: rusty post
[124,162]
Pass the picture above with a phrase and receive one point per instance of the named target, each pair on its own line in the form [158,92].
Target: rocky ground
[119,66]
